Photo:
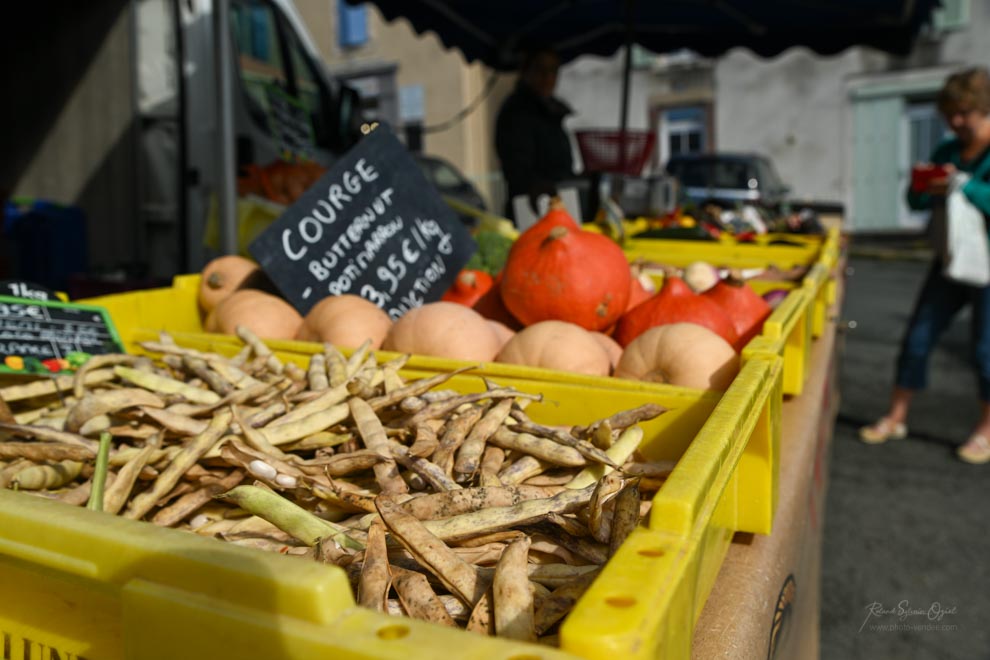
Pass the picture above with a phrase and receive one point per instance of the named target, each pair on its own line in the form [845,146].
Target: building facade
[413,80]
[841,129]
[848,128]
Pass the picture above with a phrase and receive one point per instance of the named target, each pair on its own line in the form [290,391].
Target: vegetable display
[455,508]
[557,297]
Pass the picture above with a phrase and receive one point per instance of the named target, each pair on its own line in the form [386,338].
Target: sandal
[976,450]
[882,431]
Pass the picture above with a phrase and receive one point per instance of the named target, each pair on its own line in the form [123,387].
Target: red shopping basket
[600,150]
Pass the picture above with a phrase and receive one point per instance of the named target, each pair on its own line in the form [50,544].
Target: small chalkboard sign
[29,290]
[372,226]
[47,337]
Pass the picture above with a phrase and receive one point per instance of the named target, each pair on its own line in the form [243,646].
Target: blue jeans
[938,303]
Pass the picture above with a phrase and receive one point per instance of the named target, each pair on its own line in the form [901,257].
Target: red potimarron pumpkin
[744,307]
[469,286]
[561,273]
[490,306]
[638,292]
[675,303]
[557,215]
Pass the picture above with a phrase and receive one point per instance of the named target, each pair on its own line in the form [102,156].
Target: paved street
[907,524]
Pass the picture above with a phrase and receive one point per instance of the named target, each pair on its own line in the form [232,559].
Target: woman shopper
[964,101]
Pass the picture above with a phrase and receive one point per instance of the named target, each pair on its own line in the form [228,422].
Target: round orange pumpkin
[557,215]
[684,354]
[347,321]
[565,274]
[265,315]
[490,306]
[557,345]
[443,329]
[221,277]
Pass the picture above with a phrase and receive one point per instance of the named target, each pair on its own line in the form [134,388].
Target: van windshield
[284,93]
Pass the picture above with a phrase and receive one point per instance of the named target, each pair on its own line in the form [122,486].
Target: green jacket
[977,190]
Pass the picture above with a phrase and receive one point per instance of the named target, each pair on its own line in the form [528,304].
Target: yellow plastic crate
[787,334]
[82,584]
[832,247]
[729,255]
[819,286]
[140,315]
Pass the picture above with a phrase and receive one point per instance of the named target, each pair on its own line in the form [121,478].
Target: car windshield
[769,179]
[730,174]
[693,173]
[712,173]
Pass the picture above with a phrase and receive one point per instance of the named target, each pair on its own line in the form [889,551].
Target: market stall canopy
[492,31]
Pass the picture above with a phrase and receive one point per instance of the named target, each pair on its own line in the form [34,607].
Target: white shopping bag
[961,235]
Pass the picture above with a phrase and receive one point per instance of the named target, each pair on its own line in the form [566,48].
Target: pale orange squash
[345,321]
[612,348]
[221,277]
[684,354]
[502,331]
[557,345]
[266,315]
[443,329]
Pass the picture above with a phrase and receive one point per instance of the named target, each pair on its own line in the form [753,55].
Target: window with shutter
[952,15]
[352,25]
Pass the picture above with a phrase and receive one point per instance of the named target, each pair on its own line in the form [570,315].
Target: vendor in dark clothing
[529,133]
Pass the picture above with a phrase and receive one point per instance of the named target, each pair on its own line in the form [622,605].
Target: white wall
[796,107]
[792,108]
[592,86]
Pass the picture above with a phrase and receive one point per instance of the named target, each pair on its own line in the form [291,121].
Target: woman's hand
[940,185]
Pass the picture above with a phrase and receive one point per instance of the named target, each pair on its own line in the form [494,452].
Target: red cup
[922,175]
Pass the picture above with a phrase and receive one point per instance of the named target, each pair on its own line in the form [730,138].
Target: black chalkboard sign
[52,337]
[25,289]
[372,226]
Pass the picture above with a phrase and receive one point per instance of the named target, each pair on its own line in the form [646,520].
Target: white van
[284,104]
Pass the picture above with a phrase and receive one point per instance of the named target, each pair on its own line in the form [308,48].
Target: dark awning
[491,30]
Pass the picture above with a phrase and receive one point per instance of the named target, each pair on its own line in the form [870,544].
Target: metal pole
[226,166]
[626,75]
[184,262]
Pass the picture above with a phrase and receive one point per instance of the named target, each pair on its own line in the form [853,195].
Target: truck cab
[286,104]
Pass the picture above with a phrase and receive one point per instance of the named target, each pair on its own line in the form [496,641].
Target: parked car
[728,179]
[449,181]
